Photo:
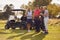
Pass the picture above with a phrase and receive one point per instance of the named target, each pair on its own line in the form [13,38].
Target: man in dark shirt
[23,22]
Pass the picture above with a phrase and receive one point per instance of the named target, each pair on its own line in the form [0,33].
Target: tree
[30,4]
[11,6]
[41,2]
[24,6]
[53,9]
[7,11]
[5,7]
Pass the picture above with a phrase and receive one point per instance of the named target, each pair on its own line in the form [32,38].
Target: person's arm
[41,13]
[33,15]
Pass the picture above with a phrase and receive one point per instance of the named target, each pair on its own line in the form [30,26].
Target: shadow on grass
[11,31]
[23,36]
[17,31]
[3,31]
[20,34]
[39,36]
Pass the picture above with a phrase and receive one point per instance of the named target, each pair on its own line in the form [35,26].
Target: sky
[18,3]
[55,1]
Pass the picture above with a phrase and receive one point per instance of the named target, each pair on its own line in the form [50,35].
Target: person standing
[29,18]
[36,18]
[46,18]
[23,22]
[42,19]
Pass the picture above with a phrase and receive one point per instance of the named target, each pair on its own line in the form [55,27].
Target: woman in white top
[46,18]
[29,19]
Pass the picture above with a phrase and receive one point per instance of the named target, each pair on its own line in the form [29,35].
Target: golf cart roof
[18,10]
[23,10]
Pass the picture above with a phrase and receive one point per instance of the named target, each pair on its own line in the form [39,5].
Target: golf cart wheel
[7,27]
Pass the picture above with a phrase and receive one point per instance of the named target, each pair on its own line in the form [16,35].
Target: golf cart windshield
[19,12]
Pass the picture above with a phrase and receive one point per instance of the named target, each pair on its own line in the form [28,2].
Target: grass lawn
[17,34]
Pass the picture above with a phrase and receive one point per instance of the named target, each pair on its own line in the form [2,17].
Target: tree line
[53,8]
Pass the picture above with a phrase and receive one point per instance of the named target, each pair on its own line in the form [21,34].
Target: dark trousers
[42,23]
[37,24]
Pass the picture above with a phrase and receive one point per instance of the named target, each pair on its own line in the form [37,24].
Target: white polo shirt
[29,15]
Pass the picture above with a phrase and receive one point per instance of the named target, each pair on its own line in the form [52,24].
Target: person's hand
[39,16]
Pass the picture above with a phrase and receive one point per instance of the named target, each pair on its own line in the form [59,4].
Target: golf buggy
[17,22]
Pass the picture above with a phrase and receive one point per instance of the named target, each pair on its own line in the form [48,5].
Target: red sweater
[37,12]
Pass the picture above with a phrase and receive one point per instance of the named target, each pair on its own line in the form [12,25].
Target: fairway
[17,34]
